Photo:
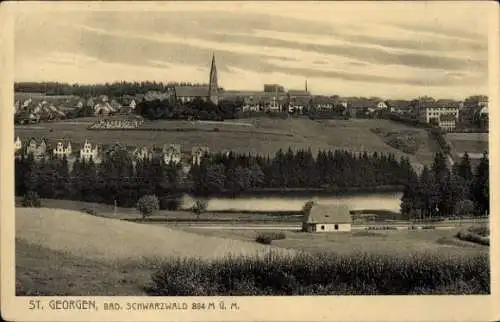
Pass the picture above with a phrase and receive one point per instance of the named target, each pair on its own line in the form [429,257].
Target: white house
[60,150]
[172,154]
[381,106]
[143,154]
[197,153]
[327,218]
[88,152]
[18,145]
[132,104]
[38,151]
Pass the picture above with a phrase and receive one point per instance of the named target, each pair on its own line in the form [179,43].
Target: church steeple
[306,86]
[213,85]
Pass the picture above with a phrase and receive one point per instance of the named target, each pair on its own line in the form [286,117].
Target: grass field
[41,271]
[469,142]
[262,135]
[62,252]
[65,253]
[107,239]
[386,242]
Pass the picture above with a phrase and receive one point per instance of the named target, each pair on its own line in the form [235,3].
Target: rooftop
[328,214]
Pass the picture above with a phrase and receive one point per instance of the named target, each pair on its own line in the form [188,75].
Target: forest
[436,192]
[115,178]
[441,192]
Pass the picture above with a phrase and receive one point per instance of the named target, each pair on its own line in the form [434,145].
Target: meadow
[469,142]
[398,242]
[62,252]
[256,135]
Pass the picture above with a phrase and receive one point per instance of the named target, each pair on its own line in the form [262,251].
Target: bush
[147,205]
[266,240]
[324,274]
[472,237]
[481,230]
[31,199]
[267,237]
[199,207]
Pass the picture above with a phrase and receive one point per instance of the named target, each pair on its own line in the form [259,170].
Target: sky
[388,49]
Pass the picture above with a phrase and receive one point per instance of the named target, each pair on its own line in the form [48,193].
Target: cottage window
[336,227]
[322,227]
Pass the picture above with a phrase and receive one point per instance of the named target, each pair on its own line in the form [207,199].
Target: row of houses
[169,153]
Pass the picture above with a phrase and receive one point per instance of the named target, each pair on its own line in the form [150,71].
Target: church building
[186,94]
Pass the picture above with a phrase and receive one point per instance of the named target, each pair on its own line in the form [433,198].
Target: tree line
[115,179]
[334,170]
[118,179]
[115,89]
[436,192]
[198,109]
[441,192]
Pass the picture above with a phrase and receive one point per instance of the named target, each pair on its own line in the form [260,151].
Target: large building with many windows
[443,114]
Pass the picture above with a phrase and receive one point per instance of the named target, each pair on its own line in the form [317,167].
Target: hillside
[258,135]
[105,239]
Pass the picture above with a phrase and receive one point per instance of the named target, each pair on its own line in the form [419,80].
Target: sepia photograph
[244,149]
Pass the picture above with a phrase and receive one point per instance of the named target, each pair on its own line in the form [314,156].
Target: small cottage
[198,152]
[172,153]
[327,218]
[62,149]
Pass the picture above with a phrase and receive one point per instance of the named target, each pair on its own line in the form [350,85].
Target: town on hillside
[46,102]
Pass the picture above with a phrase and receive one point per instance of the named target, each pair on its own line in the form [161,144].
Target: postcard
[249,161]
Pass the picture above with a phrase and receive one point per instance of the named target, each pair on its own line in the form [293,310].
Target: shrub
[148,205]
[199,207]
[481,230]
[216,129]
[266,240]
[324,274]
[472,237]
[267,237]
[31,199]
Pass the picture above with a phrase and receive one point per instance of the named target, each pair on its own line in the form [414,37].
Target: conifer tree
[480,188]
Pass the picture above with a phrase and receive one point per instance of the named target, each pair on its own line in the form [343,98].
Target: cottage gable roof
[171,148]
[65,142]
[191,91]
[200,150]
[35,141]
[328,214]
[399,104]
